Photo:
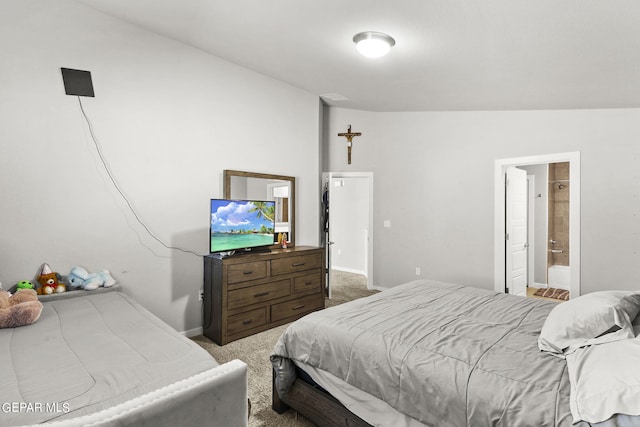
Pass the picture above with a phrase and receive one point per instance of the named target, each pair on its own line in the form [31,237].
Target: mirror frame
[226,178]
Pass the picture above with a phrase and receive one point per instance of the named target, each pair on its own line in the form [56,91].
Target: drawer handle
[247,272]
[297,307]
[248,321]
[261,294]
[308,282]
[297,264]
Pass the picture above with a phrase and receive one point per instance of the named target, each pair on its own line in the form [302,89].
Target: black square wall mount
[77,82]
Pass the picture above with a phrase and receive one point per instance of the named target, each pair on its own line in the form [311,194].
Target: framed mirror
[281,189]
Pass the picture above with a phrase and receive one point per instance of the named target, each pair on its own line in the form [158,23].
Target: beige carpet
[256,349]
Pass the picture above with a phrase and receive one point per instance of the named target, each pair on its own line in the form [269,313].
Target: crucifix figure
[349,135]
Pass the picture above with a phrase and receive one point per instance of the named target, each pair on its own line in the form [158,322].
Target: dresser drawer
[295,307]
[295,263]
[246,271]
[310,282]
[250,319]
[254,294]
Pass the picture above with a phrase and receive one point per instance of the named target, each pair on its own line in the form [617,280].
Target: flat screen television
[241,225]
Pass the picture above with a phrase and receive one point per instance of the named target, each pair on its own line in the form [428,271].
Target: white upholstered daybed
[102,359]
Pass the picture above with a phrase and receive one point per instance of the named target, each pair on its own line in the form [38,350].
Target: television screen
[241,224]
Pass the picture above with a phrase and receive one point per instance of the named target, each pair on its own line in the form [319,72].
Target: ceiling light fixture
[373,44]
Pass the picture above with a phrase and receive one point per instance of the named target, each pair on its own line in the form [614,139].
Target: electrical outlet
[418,272]
[201,295]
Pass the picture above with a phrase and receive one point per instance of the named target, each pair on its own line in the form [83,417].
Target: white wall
[169,119]
[434,181]
[349,219]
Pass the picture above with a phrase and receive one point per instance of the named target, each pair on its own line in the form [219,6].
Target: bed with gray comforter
[435,354]
[103,359]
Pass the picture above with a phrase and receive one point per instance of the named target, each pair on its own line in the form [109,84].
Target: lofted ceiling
[450,55]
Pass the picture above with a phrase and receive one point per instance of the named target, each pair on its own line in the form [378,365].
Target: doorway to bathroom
[537,223]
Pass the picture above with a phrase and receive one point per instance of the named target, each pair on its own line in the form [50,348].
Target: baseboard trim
[192,332]
[349,270]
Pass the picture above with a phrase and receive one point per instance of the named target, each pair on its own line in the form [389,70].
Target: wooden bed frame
[315,404]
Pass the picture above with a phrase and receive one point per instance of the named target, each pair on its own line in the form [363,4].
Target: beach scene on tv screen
[241,224]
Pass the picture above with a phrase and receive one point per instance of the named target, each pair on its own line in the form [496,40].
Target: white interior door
[516,231]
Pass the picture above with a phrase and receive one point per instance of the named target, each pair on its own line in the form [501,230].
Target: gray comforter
[443,354]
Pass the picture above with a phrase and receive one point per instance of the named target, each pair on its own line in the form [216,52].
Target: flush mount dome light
[372,44]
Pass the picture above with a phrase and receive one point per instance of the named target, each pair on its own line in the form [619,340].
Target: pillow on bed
[589,319]
[605,380]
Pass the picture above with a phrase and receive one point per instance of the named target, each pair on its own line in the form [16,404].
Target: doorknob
[331,243]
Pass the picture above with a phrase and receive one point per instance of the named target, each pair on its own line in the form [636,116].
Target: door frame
[369,247]
[574,214]
[531,248]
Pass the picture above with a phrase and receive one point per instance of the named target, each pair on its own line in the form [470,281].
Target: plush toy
[24,284]
[49,281]
[23,308]
[79,278]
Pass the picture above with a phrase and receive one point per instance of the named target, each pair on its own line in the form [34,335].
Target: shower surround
[558,229]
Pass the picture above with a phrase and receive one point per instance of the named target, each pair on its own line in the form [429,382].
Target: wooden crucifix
[349,135]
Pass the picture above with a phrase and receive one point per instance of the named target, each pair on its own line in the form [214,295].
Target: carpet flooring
[256,349]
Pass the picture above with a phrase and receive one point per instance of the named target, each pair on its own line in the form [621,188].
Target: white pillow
[605,380]
[589,319]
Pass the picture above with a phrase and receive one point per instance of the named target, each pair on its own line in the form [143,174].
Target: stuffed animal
[79,278]
[49,281]
[24,284]
[23,308]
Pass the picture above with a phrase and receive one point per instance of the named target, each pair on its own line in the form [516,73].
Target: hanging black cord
[117,187]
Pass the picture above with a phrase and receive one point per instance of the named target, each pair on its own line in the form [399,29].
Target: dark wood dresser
[249,293]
